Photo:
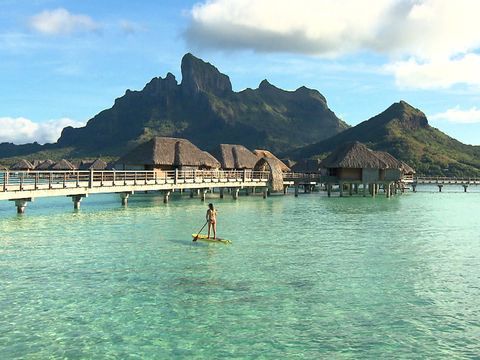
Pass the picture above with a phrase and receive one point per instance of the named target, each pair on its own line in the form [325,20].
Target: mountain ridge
[404,131]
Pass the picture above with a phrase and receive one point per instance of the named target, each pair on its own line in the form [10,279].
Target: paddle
[198,233]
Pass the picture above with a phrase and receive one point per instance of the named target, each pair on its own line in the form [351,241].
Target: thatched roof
[407,169]
[235,156]
[22,165]
[168,151]
[307,166]
[267,154]
[63,165]
[390,160]
[353,155]
[97,164]
[45,165]
[274,166]
[3,168]
[288,162]
[35,163]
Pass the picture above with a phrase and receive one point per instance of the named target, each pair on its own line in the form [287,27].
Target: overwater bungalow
[63,165]
[234,157]
[97,164]
[354,163]
[166,153]
[308,166]
[267,154]
[45,165]
[22,165]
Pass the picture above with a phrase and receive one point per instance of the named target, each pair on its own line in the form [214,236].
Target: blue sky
[62,62]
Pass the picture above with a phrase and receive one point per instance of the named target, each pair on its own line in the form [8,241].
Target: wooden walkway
[24,186]
[442,181]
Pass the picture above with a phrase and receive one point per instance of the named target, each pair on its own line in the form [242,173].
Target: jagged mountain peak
[200,76]
[404,115]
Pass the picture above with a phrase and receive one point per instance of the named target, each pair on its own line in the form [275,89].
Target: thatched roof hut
[353,155]
[63,165]
[407,169]
[234,157]
[45,165]
[274,166]
[309,166]
[22,165]
[97,164]
[168,153]
[267,154]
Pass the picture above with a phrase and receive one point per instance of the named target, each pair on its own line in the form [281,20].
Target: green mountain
[204,109]
[404,132]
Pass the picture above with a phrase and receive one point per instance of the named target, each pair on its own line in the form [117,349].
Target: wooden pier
[442,181]
[24,187]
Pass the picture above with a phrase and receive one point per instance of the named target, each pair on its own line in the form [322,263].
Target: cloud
[441,73]
[458,116]
[22,130]
[420,28]
[129,27]
[61,22]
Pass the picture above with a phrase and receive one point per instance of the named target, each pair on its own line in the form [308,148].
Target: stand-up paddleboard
[201,237]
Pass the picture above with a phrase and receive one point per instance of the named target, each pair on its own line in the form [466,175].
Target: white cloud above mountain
[458,116]
[62,22]
[426,43]
[21,130]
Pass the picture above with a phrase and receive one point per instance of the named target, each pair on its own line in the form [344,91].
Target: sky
[62,62]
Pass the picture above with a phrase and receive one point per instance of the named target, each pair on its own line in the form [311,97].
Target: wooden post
[265,193]
[285,189]
[364,190]
[296,190]
[465,187]
[341,189]
[21,204]
[350,189]
[329,189]
[440,186]
[191,193]
[204,194]
[175,180]
[90,179]
[221,193]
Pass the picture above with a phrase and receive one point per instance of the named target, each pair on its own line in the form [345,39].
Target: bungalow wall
[349,174]
[370,175]
[392,174]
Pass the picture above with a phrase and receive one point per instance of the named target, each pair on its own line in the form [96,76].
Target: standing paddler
[212,220]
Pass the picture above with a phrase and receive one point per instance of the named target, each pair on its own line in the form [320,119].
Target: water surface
[305,278]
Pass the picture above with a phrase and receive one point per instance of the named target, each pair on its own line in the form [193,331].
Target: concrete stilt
[465,187]
[124,197]
[341,189]
[350,189]
[285,190]
[265,193]
[166,195]
[76,199]
[440,186]
[387,188]
[203,193]
[235,192]
[374,189]
[221,193]
[247,191]
[355,188]
[296,190]
[364,190]
[192,192]
[21,204]
[329,189]
[414,187]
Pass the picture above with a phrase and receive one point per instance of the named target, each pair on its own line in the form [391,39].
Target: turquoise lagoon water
[306,278]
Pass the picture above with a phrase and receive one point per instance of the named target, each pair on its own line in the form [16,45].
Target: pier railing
[47,180]
[446,180]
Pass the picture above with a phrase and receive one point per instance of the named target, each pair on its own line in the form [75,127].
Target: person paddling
[212,220]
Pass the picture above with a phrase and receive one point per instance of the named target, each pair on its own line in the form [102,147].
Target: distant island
[298,124]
